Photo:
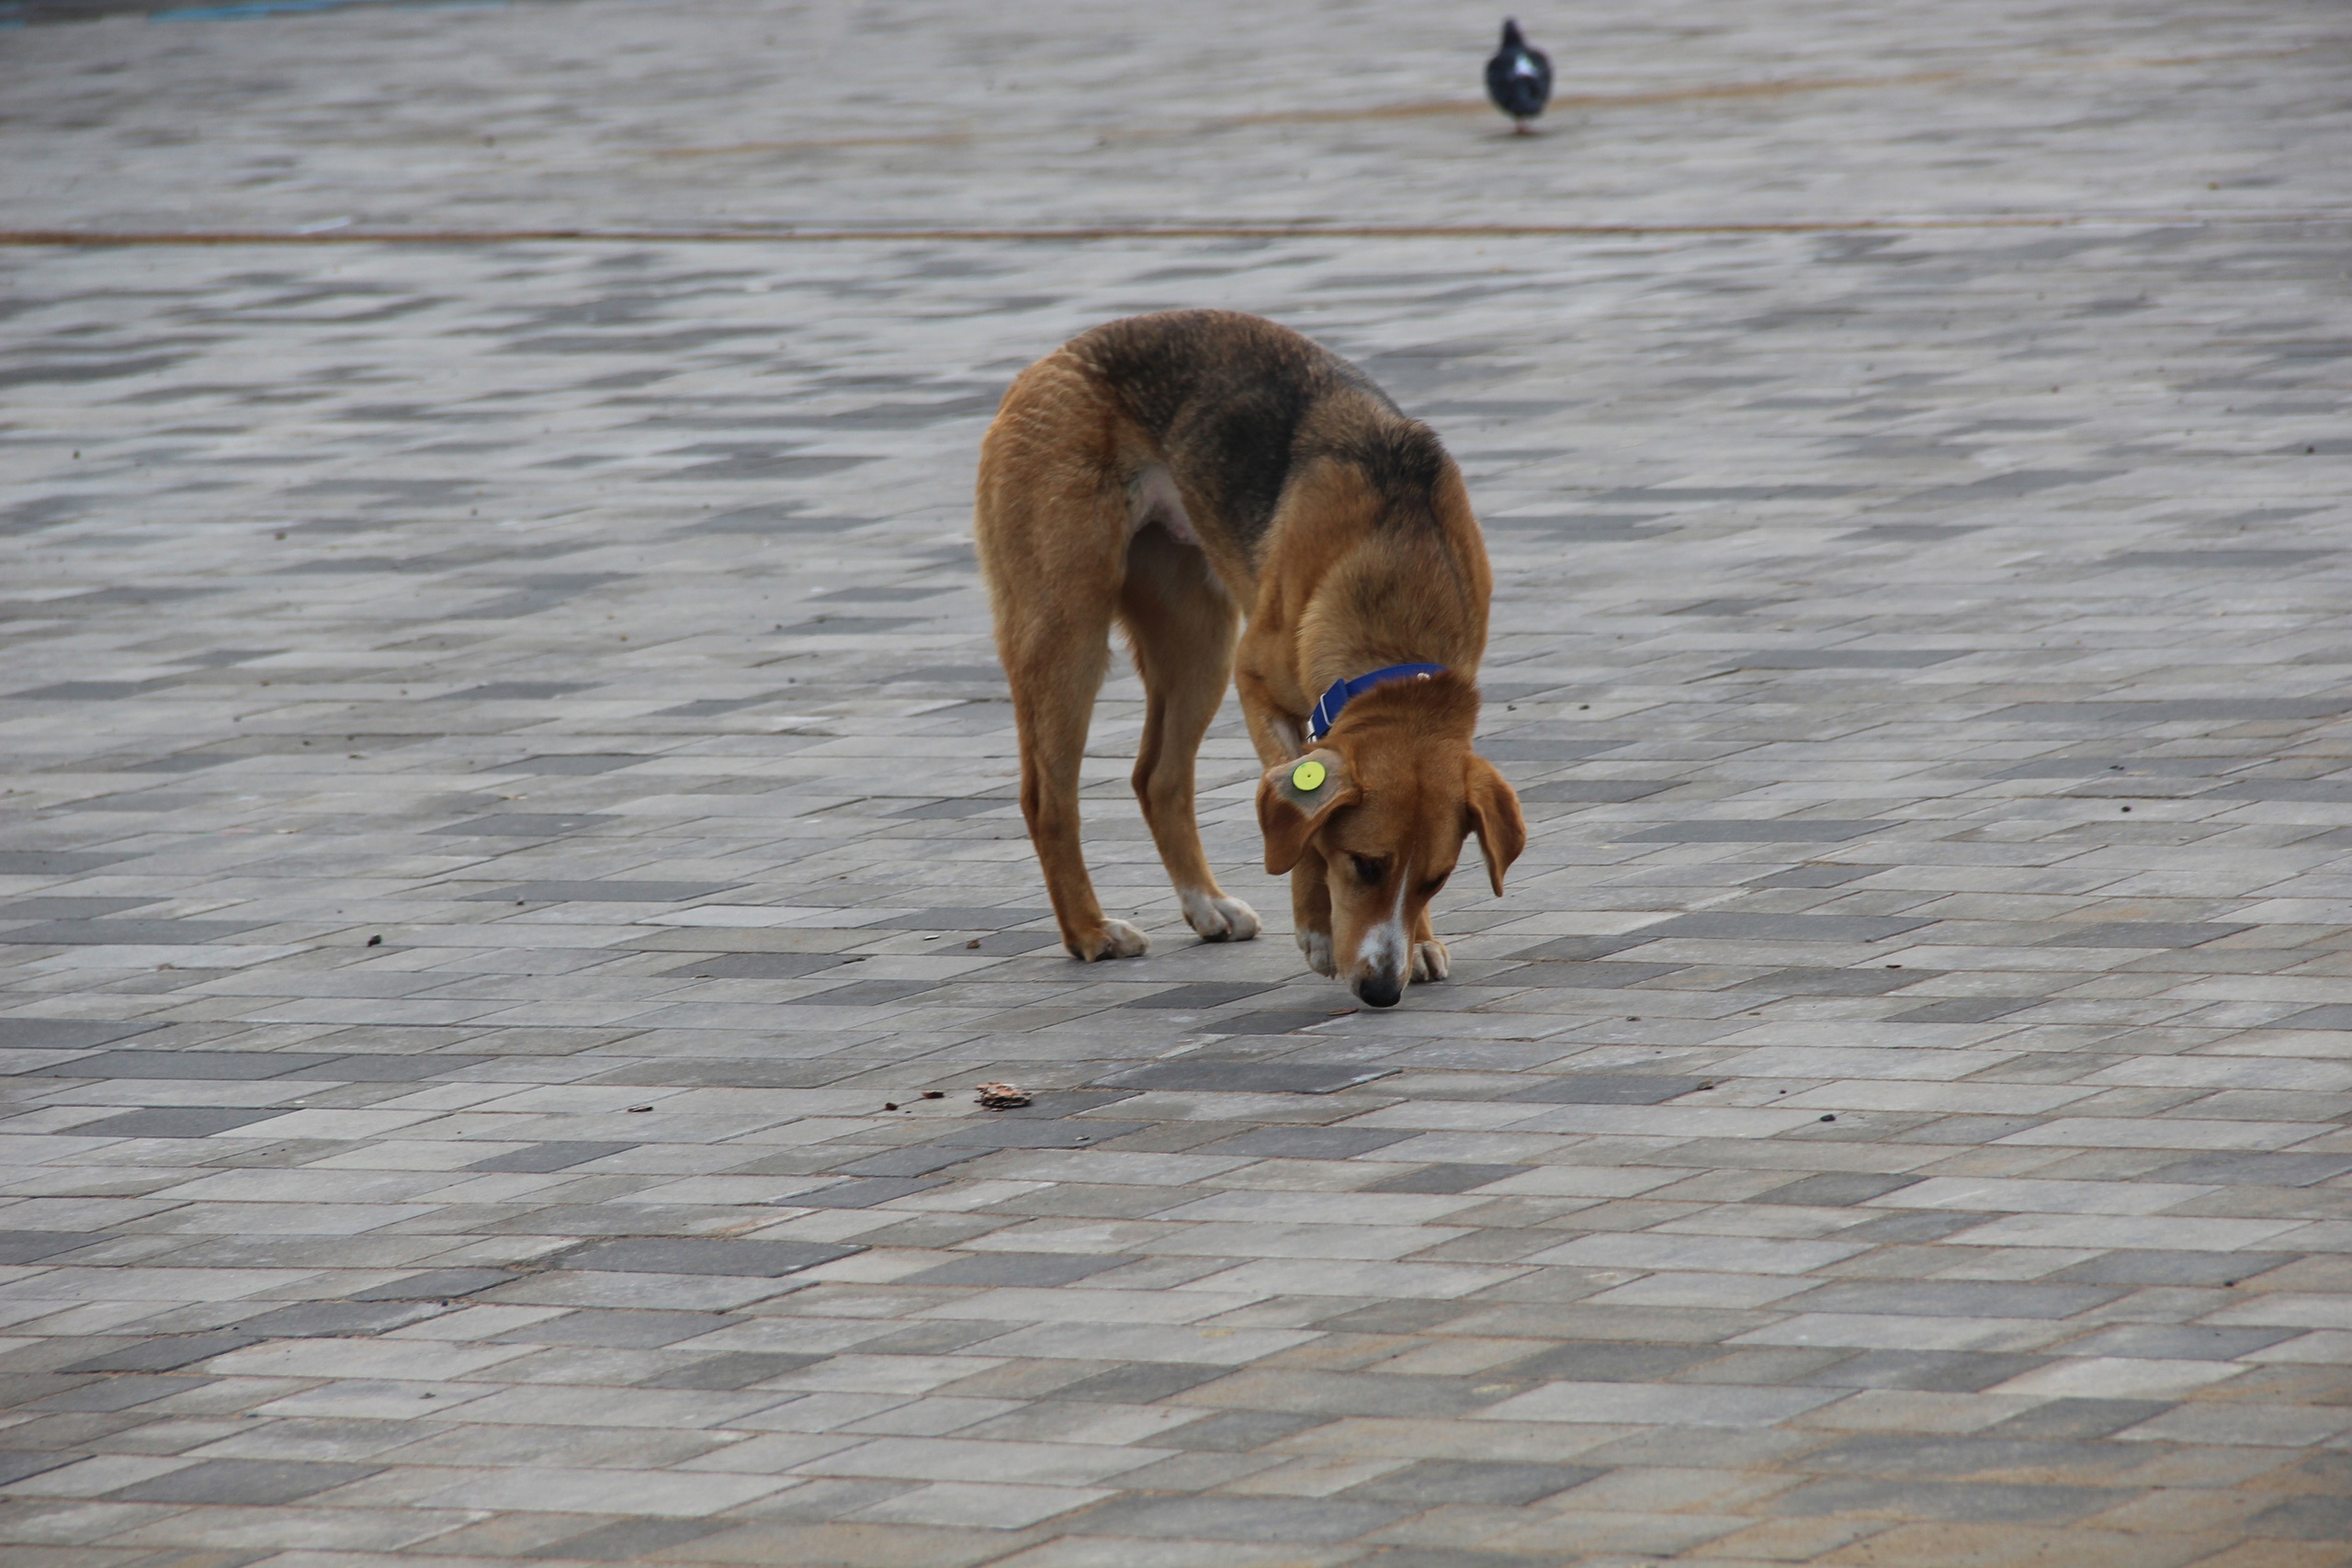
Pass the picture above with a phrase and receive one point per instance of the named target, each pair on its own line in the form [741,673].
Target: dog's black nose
[1380,990]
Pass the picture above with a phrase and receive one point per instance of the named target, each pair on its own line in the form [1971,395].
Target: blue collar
[1327,712]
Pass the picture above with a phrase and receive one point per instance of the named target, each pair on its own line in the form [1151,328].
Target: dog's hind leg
[1181,622]
[1051,526]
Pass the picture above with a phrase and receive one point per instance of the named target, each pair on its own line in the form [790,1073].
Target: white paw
[1218,919]
[1119,939]
[1431,961]
[1317,945]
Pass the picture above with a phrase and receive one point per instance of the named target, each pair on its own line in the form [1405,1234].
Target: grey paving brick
[1611,1362]
[2142,1268]
[2178,1341]
[1200,994]
[548,1156]
[1609,1089]
[2255,1170]
[31,1246]
[1017,1131]
[686,1255]
[2305,1518]
[916,1160]
[171,1122]
[1305,1143]
[1726,926]
[1757,830]
[250,1483]
[864,994]
[2143,933]
[863,1192]
[619,1330]
[628,1541]
[1311,1519]
[2069,1420]
[1956,1298]
[1227,1075]
[1433,1483]
[1958,1502]
[1966,1009]
[17,1467]
[161,1355]
[1597,975]
[1137,1382]
[109,1395]
[592,892]
[963,918]
[123,932]
[384,1067]
[434,1284]
[1446,1179]
[1236,1431]
[65,1034]
[758,966]
[1934,1372]
[229,1065]
[1845,983]
[1016,1269]
[737,1369]
[1580,949]
[1836,1188]
[1290,1021]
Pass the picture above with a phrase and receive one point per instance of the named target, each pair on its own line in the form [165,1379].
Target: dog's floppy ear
[1297,798]
[1495,817]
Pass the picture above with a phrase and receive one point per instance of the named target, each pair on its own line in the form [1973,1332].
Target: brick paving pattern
[507,780]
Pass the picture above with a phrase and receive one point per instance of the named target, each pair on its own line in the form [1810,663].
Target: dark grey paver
[171,1122]
[757,1260]
[1609,1089]
[245,1481]
[1016,1269]
[161,1355]
[548,1156]
[1227,1075]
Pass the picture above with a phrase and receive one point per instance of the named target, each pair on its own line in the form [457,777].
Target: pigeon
[1519,78]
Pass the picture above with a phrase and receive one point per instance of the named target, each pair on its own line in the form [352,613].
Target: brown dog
[1170,471]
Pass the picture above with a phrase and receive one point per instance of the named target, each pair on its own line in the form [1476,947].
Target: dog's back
[1235,407]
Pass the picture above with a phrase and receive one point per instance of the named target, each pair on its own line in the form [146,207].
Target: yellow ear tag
[1308,776]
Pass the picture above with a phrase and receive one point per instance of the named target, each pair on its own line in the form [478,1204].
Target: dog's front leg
[1430,960]
[1310,911]
[1278,735]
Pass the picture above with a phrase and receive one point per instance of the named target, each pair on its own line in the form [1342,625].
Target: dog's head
[1393,792]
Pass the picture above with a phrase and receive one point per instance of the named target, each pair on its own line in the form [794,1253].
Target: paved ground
[507,784]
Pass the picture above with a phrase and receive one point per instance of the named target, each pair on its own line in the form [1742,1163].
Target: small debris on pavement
[1001,1096]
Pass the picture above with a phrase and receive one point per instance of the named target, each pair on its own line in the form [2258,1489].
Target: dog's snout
[1382,990]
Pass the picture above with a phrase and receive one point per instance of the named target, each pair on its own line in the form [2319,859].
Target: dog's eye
[1430,888]
[1369,869]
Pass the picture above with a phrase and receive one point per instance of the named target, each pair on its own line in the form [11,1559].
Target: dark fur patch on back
[1239,403]
[1403,460]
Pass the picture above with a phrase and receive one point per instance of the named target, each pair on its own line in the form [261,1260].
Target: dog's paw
[1317,945]
[1431,961]
[1116,939]
[1220,918]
